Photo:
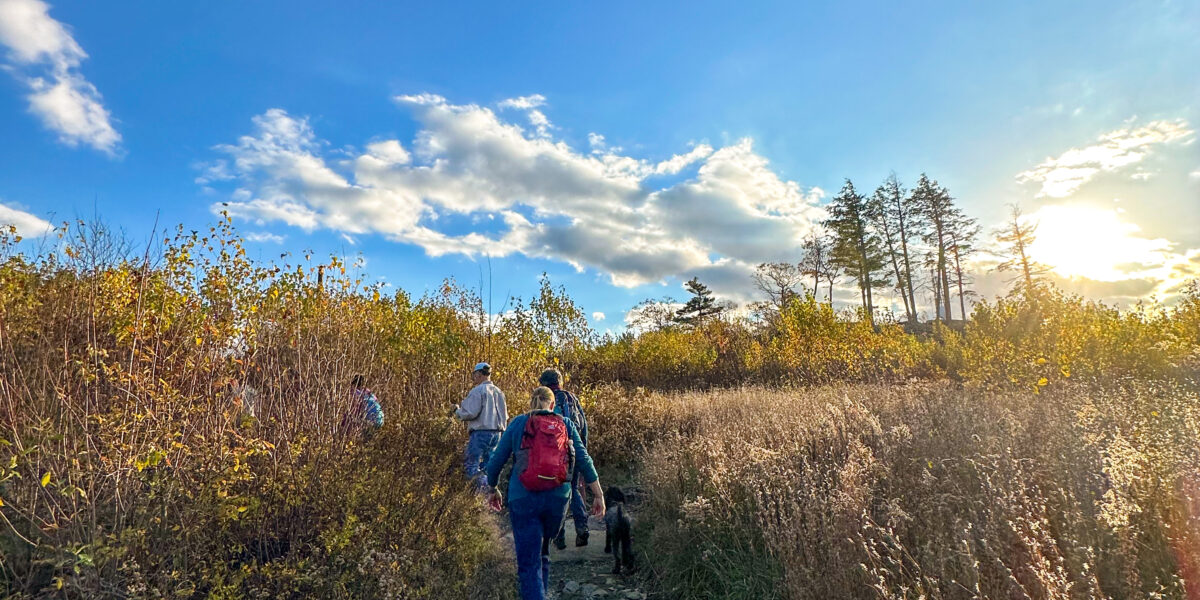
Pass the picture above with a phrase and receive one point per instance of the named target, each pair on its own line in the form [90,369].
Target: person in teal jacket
[537,516]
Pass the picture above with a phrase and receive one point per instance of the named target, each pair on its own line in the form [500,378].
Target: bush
[133,462]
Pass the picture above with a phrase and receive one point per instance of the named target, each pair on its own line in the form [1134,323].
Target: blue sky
[427,136]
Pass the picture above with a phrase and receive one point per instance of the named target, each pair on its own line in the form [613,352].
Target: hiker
[546,450]
[486,415]
[567,405]
[365,408]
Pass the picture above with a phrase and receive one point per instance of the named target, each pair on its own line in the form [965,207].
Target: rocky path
[586,573]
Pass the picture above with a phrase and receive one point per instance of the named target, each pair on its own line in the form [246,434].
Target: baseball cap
[483,367]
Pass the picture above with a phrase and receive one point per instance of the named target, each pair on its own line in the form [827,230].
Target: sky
[620,148]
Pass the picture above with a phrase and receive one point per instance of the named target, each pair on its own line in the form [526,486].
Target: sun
[1077,240]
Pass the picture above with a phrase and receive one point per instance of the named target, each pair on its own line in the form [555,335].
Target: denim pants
[479,451]
[536,518]
[579,513]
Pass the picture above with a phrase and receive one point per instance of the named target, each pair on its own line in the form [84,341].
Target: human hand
[598,507]
[495,500]
[453,410]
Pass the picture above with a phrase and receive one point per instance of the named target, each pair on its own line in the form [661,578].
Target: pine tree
[1018,236]
[894,216]
[856,246]
[936,207]
[700,307]
[963,233]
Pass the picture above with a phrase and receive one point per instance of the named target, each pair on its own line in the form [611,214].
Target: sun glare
[1086,241]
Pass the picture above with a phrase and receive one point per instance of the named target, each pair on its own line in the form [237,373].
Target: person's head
[481,373]
[542,399]
[550,378]
[358,382]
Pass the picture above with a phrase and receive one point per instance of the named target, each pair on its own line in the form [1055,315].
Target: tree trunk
[962,303]
[941,267]
[907,284]
[937,295]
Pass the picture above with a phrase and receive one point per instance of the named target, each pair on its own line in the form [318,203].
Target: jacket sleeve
[501,454]
[472,406]
[503,408]
[583,460]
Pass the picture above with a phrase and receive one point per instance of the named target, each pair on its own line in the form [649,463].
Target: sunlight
[1086,241]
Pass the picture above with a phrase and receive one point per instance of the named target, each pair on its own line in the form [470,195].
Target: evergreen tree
[963,232]
[1017,236]
[856,246]
[936,207]
[700,307]
[895,216]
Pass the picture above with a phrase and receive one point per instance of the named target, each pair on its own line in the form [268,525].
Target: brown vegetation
[1047,449]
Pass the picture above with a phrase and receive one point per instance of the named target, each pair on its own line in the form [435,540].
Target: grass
[923,491]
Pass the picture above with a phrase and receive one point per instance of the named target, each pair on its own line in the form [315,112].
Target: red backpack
[547,456]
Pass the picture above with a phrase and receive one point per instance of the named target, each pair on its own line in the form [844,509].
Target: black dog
[618,529]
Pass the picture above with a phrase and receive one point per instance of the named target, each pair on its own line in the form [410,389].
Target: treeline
[918,244]
[894,239]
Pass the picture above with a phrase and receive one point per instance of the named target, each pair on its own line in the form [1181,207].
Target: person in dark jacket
[537,515]
[567,405]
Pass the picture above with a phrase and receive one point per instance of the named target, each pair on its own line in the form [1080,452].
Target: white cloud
[597,316]
[44,56]
[678,162]
[264,237]
[1060,177]
[590,209]
[524,102]
[530,105]
[27,224]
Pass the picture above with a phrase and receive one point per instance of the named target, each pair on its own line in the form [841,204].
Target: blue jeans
[536,518]
[479,451]
[579,513]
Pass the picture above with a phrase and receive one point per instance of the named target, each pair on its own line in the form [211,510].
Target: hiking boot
[560,540]
[581,538]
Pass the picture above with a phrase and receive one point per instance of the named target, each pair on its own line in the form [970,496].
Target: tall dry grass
[924,491]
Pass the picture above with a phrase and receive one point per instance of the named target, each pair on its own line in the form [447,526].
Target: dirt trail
[587,572]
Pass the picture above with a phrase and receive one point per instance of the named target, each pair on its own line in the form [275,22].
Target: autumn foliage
[1044,448]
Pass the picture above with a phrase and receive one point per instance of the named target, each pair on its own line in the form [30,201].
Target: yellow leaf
[1043,381]
[1154,413]
[45,478]
[1,501]
[1041,361]
[199,340]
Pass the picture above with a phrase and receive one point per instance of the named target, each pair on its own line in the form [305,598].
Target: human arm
[471,406]
[598,507]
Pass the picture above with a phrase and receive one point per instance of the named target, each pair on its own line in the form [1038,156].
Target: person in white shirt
[486,416]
